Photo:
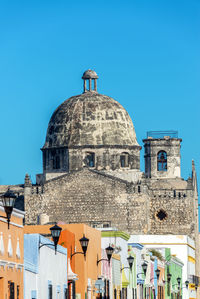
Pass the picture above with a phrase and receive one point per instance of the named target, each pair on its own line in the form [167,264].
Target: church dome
[90,119]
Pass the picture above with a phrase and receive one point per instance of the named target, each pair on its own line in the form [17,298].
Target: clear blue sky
[146,53]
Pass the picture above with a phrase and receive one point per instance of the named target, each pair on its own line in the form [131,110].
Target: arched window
[124,160]
[162,161]
[90,159]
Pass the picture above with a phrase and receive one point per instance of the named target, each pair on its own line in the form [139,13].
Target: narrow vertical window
[50,291]
[124,160]
[162,161]
[90,159]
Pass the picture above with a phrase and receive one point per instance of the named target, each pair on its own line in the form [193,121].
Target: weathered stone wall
[87,196]
[92,197]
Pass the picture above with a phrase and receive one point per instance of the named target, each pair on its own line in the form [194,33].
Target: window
[11,290]
[17,292]
[50,291]
[115,294]
[162,161]
[161,215]
[124,160]
[90,159]
[33,294]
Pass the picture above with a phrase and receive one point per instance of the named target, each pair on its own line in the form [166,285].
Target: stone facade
[99,199]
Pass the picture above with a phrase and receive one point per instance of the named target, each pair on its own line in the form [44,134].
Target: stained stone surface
[90,119]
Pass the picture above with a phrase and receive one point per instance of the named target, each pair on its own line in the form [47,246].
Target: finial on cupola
[90,76]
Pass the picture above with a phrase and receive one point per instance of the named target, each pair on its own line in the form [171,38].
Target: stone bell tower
[162,155]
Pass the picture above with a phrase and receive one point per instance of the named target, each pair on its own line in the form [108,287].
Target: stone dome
[90,74]
[90,119]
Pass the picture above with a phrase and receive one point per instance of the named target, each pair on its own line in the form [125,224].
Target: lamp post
[55,233]
[8,201]
[179,284]
[144,268]
[179,288]
[130,260]
[84,245]
[169,276]
[186,284]
[109,252]
[157,271]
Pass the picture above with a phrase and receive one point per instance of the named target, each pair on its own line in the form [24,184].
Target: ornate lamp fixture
[8,201]
[55,233]
[130,260]
[179,281]
[157,273]
[186,284]
[84,245]
[109,252]
[144,268]
[169,276]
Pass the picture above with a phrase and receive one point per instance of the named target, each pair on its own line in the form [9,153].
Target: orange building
[11,255]
[86,268]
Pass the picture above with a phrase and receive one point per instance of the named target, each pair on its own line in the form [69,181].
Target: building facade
[85,267]
[11,255]
[45,274]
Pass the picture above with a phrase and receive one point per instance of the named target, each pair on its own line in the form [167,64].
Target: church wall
[98,199]
[90,198]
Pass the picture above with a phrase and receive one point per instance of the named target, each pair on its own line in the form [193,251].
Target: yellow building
[11,255]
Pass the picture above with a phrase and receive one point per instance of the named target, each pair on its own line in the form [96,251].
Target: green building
[173,276]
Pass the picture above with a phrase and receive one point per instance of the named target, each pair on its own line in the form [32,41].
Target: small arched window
[124,160]
[162,161]
[90,159]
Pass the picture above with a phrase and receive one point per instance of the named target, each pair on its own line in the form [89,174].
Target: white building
[45,274]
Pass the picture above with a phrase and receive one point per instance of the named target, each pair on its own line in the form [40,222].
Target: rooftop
[162,134]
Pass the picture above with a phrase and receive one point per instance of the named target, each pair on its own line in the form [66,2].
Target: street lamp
[109,252]
[186,284]
[169,277]
[144,268]
[84,245]
[157,274]
[179,281]
[8,200]
[55,234]
[130,260]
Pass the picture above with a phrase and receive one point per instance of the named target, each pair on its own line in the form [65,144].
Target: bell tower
[162,154]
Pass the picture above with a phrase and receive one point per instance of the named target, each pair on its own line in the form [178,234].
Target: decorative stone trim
[3,264]
[11,265]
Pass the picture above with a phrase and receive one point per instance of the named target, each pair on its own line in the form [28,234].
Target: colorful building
[174,269]
[182,247]
[85,268]
[11,255]
[119,241]
[45,273]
